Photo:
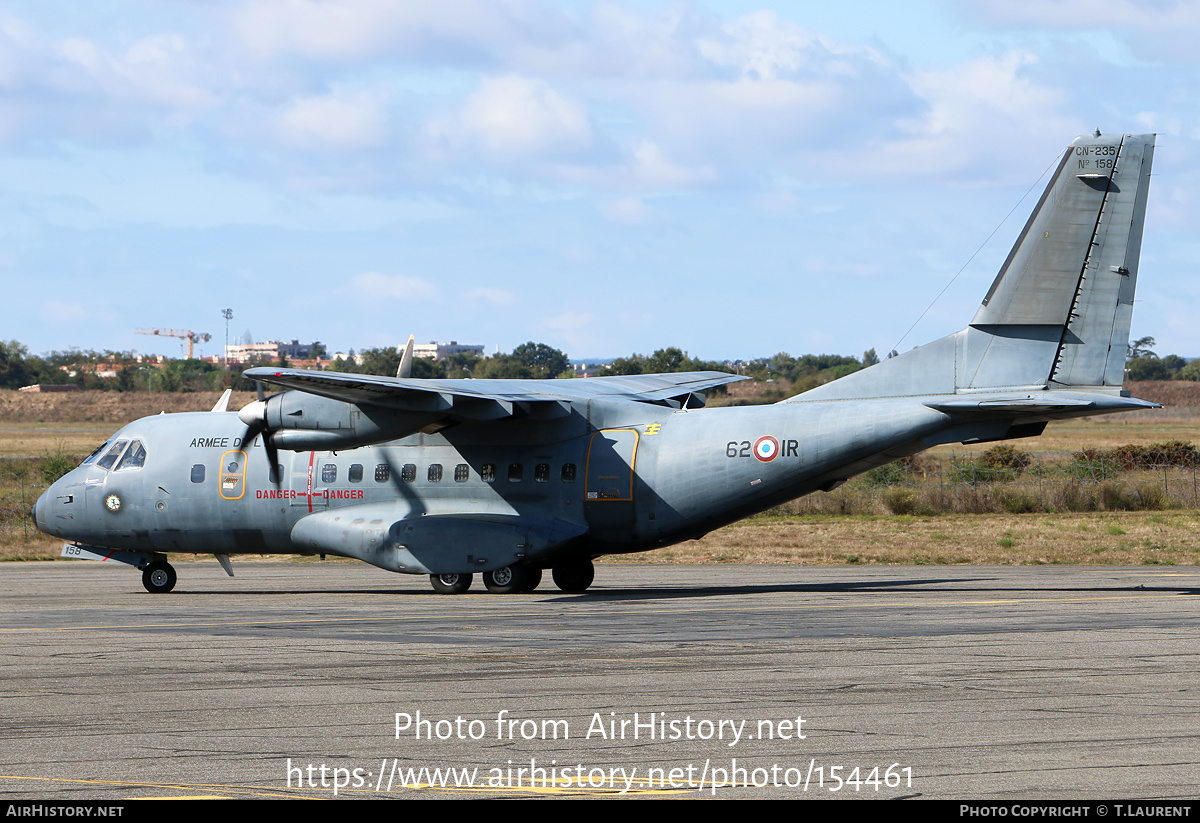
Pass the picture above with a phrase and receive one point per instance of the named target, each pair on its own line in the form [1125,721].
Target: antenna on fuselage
[405,367]
[222,405]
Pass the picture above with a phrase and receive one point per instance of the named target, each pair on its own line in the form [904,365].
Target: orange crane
[192,337]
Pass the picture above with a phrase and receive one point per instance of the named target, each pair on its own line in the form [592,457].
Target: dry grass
[1093,538]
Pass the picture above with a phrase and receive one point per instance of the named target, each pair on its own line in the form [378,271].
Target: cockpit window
[135,458]
[110,457]
[95,454]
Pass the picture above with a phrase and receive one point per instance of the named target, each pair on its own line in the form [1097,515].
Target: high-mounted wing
[333,410]
[414,393]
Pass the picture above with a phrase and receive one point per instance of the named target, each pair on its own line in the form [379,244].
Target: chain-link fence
[1003,479]
[22,480]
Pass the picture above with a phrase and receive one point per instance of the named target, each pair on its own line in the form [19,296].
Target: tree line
[1144,364]
[529,361]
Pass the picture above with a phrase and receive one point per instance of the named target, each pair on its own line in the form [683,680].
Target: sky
[733,178]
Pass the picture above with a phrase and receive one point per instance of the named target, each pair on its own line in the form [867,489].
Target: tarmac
[322,680]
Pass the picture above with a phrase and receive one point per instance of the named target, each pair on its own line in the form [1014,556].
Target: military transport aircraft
[506,478]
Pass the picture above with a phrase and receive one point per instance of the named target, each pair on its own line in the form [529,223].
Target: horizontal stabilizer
[1050,404]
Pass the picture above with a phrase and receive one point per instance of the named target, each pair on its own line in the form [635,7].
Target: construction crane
[192,337]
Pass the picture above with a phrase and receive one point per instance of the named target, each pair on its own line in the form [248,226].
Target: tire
[535,577]
[575,576]
[158,577]
[450,583]
[508,580]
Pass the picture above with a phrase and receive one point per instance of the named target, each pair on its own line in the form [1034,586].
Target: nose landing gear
[158,577]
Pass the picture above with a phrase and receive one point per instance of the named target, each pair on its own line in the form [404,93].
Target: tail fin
[1075,264]
[1058,313]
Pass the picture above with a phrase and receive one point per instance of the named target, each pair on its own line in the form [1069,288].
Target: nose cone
[39,511]
[57,511]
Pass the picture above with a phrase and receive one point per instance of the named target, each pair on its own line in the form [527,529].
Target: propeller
[254,416]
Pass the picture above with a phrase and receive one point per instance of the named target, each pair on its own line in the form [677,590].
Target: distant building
[440,351]
[49,387]
[268,350]
[252,352]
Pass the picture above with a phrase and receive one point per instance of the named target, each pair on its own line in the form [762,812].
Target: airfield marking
[147,785]
[291,621]
[299,793]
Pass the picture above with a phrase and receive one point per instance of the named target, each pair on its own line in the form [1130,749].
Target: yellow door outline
[233,483]
[595,488]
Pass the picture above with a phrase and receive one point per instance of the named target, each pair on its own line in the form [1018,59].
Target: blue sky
[733,178]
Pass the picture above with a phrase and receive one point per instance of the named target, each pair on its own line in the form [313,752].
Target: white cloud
[1151,15]
[163,69]
[574,327]
[497,297]
[343,120]
[627,210]
[1158,123]
[377,286]
[966,106]
[514,117]
[763,47]
[651,168]
[350,30]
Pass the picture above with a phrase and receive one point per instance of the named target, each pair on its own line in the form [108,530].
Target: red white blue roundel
[766,448]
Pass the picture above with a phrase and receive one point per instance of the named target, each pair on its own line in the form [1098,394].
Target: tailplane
[1058,314]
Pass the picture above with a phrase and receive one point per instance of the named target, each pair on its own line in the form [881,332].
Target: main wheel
[574,576]
[508,580]
[158,577]
[535,577]
[450,583]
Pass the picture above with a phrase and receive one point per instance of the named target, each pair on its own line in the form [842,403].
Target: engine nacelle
[298,421]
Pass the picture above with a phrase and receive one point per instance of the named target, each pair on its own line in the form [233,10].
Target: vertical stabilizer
[1058,313]
[1074,266]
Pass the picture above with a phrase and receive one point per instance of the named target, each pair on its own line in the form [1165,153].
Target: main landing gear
[572,577]
[450,583]
[158,577]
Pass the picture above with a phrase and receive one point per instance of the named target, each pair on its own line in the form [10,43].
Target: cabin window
[568,473]
[461,473]
[198,473]
[541,472]
[135,458]
[106,462]
[409,473]
[488,473]
[329,473]
[435,473]
[356,473]
[383,473]
[516,472]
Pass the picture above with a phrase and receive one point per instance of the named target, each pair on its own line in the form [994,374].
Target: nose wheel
[158,577]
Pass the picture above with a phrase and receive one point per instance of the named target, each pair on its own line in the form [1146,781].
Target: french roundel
[766,448]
